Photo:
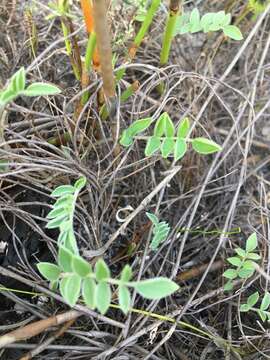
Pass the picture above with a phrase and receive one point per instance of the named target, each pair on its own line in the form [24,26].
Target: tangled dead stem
[224,89]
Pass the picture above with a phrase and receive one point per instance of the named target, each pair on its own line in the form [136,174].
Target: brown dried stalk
[37,327]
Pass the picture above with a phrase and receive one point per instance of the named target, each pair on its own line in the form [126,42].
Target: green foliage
[167,139]
[160,231]
[243,262]
[258,6]
[263,310]
[75,277]
[17,87]
[220,21]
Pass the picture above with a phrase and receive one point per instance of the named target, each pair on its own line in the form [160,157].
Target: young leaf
[103,297]
[89,292]
[164,125]
[72,289]
[253,299]
[167,147]
[244,308]
[153,218]
[49,271]
[7,96]
[124,298]
[265,301]
[246,273]
[62,286]
[101,270]
[228,286]
[253,256]
[240,252]
[126,274]
[65,259]
[194,20]
[56,222]
[161,232]
[126,140]
[262,314]
[235,261]
[206,21]
[183,128]
[41,89]
[80,183]
[230,274]
[153,144]
[81,266]
[226,20]
[139,126]
[180,149]
[63,190]
[205,146]
[251,243]
[20,80]
[233,32]
[155,289]
[59,211]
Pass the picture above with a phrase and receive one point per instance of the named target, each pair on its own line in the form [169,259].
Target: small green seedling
[243,262]
[262,310]
[166,139]
[75,277]
[17,87]
[210,22]
[161,230]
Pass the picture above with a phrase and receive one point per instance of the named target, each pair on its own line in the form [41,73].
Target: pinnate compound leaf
[253,299]
[124,298]
[153,144]
[183,128]
[164,125]
[205,146]
[167,147]
[89,292]
[41,89]
[230,274]
[265,301]
[49,271]
[228,286]
[126,139]
[65,258]
[155,289]
[240,252]
[244,308]
[101,270]
[126,274]
[72,289]
[236,261]
[80,266]
[253,256]
[139,126]
[233,32]
[80,183]
[63,190]
[251,243]
[103,297]
[180,149]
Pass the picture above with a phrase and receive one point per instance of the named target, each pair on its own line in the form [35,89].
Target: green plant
[257,6]
[244,266]
[75,277]
[166,139]
[161,230]
[262,310]
[17,87]
[220,21]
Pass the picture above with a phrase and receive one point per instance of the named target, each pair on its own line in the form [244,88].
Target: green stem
[91,45]
[168,34]
[147,22]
